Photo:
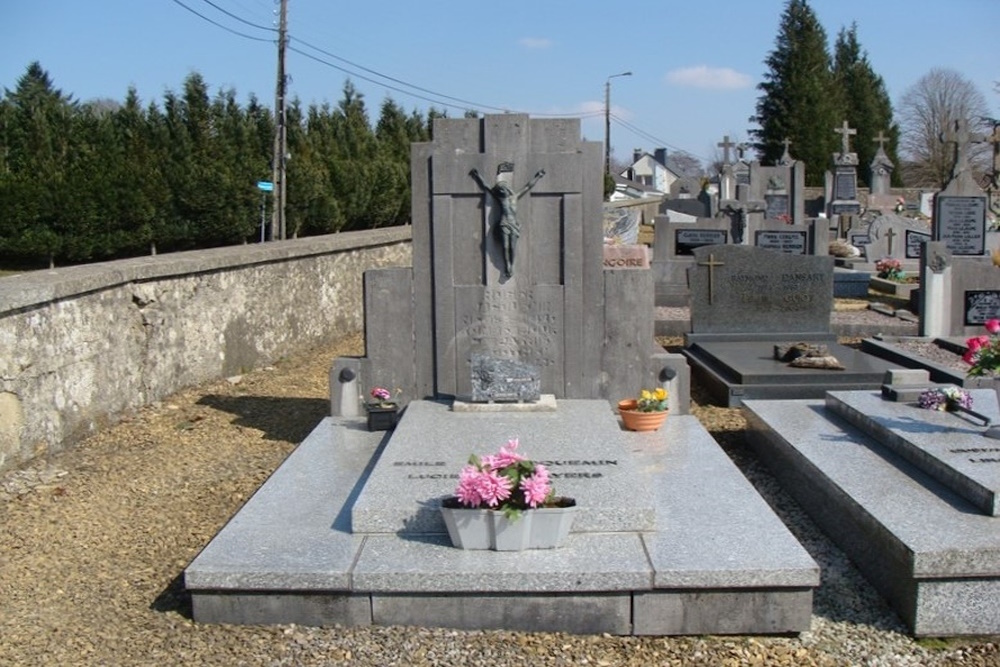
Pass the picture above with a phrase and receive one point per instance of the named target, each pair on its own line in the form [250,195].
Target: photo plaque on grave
[791,242]
[961,224]
[686,240]
[981,305]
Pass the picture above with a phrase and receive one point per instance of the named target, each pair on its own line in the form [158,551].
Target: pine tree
[866,103]
[797,101]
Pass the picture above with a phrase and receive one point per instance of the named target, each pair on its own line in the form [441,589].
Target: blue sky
[695,65]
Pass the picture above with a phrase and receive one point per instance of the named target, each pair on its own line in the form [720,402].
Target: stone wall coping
[27,290]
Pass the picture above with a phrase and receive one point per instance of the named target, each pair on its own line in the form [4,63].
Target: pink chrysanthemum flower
[493,488]
[467,491]
[536,489]
[508,456]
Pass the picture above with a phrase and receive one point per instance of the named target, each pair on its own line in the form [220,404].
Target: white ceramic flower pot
[544,528]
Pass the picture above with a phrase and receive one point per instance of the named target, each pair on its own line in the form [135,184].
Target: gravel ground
[94,541]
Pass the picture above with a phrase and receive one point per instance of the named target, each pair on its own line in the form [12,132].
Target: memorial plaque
[845,208]
[618,257]
[743,177]
[859,239]
[686,240]
[914,243]
[791,242]
[845,185]
[981,305]
[961,224]
[775,206]
[745,289]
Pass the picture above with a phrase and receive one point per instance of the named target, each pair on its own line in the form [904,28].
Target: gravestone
[794,242]
[349,530]
[960,209]
[881,169]
[745,301]
[550,305]
[842,183]
[898,237]
[781,189]
[674,244]
[957,295]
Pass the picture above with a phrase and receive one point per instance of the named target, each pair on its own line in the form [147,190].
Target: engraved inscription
[961,224]
[915,243]
[590,468]
[981,305]
[686,240]
[514,324]
[787,292]
[793,243]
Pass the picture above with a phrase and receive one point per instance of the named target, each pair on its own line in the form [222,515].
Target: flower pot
[469,528]
[550,525]
[381,418]
[512,534]
[542,528]
[635,420]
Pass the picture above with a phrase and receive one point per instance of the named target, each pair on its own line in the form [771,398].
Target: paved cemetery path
[93,542]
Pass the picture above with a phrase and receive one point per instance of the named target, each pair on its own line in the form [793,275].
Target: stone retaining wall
[81,345]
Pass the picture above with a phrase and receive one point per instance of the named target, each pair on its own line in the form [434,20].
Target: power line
[238,18]
[656,140]
[217,24]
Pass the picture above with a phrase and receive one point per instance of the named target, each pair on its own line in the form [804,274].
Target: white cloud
[703,76]
[535,42]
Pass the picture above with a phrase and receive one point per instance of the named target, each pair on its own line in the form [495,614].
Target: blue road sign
[265,186]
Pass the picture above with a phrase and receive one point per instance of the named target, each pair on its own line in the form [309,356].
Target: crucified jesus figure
[506,199]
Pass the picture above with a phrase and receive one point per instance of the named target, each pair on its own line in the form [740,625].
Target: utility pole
[278,227]
[607,120]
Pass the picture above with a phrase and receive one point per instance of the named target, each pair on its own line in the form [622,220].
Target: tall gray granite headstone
[960,209]
[588,331]
[749,290]
[842,183]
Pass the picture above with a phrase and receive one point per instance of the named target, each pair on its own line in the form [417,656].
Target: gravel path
[93,543]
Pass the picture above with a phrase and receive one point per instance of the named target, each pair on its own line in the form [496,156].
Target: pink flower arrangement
[504,481]
[983,351]
[382,396]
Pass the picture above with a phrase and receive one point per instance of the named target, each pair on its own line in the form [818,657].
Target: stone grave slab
[734,371]
[930,552]
[582,443]
[948,446]
[723,564]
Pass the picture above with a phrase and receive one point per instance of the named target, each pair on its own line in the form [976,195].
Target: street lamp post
[607,120]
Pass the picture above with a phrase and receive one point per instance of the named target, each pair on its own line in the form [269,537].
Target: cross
[711,264]
[881,139]
[740,149]
[890,235]
[958,134]
[845,133]
[786,158]
[725,145]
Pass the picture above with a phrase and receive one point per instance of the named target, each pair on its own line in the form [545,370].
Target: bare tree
[926,111]
[684,164]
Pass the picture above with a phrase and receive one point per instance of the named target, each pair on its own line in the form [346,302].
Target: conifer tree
[797,100]
[866,103]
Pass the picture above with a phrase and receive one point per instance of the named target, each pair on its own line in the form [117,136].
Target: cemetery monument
[669,537]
